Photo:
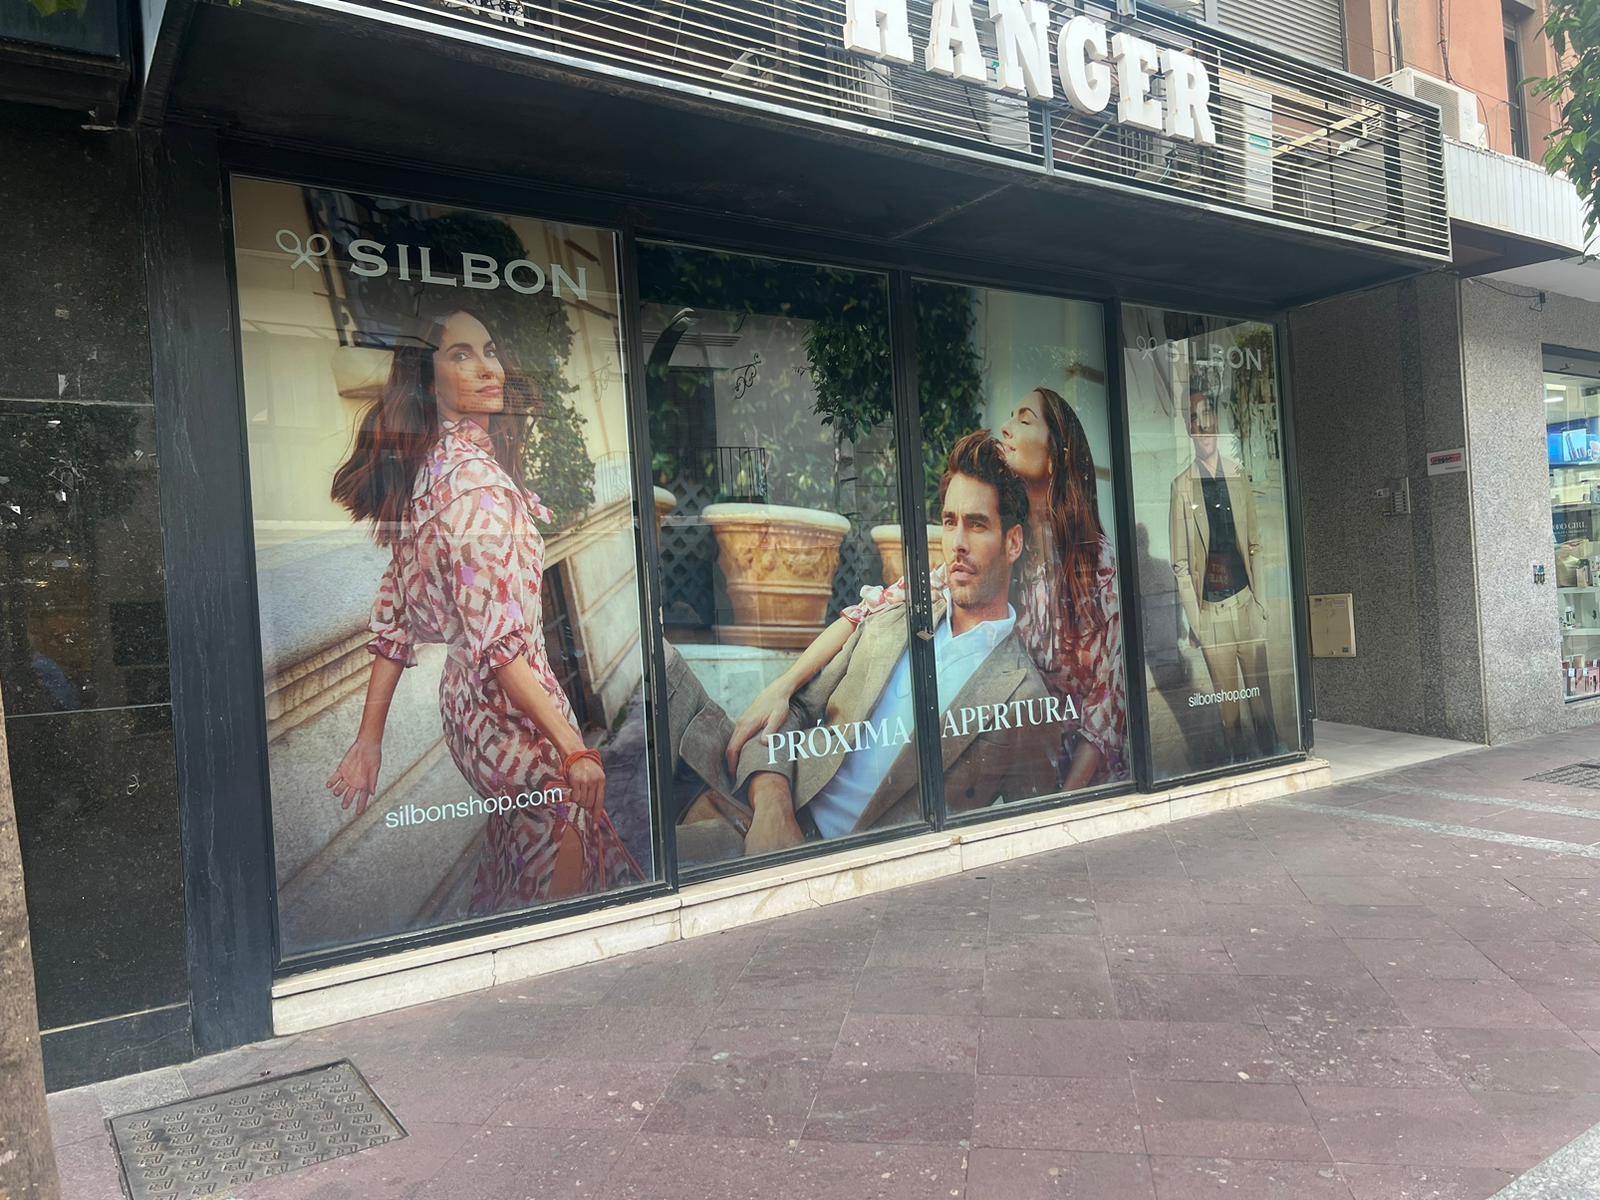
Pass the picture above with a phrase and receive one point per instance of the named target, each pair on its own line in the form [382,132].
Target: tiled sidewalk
[1328,999]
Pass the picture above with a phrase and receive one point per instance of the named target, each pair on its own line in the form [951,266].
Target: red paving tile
[1228,1120]
[897,1042]
[995,1174]
[1409,1125]
[736,1100]
[1055,1113]
[1352,1057]
[1046,1046]
[1369,1182]
[1203,1051]
[1246,1179]
[926,1107]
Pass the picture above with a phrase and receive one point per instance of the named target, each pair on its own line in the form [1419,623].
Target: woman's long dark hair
[1075,529]
[396,432]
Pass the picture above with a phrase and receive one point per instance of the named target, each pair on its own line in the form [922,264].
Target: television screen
[1574,442]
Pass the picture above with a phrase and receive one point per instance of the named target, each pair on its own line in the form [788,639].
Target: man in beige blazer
[1215,541]
[846,760]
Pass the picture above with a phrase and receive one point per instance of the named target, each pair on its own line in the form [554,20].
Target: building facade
[1457,516]
[515,401]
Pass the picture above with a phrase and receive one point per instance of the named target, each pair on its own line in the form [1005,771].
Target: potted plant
[779,541]
[891,548]
[779,561]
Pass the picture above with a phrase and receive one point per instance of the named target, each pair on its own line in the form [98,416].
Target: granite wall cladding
[1377,385]
[83,635]
[1505,329]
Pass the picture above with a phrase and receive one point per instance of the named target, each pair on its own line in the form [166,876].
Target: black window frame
[1294,531]
[1516,85]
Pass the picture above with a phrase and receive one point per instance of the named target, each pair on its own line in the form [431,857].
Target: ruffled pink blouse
[468,565]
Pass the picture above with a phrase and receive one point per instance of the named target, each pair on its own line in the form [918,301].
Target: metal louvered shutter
[1314,28]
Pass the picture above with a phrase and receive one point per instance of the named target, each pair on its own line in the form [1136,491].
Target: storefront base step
[326,997]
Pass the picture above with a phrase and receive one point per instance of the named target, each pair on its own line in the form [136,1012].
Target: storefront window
[1572,428]
[445,560]
[1032,685]
[1213,568]
[771,419]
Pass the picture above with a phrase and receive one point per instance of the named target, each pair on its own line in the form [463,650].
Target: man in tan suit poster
[846,761]
[1214,546]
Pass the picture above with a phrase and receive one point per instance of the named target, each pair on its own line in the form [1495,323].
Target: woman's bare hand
[356,780]
[587,779]
[766,715]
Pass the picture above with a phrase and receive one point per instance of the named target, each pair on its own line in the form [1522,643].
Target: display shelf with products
[1572,428]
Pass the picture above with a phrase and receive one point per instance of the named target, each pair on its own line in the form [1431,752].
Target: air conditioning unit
[1245,136]
[1458,107]
[1007,125]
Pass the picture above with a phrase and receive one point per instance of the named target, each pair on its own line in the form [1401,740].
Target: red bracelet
[578,756]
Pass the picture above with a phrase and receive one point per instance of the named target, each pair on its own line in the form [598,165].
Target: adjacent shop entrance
[1572,430]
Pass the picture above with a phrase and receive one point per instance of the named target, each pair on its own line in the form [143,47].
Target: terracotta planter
[779,563]
[665,503]
[892,550]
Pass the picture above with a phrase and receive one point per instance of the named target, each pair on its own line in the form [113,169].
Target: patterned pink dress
[466,571]
[1084,664]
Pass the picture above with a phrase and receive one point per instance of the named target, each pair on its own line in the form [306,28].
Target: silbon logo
[480,272]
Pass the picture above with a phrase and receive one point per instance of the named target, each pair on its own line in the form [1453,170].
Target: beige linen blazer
[1190,530]
[979,768]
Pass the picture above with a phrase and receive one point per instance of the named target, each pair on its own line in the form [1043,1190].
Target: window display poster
[770,403]
[1209,506]
[445,560]
[783,563]
[1031,372]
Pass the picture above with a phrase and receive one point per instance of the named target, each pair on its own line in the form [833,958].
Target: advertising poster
[1036,368]
[1209,501]
[445,560]
[788,614]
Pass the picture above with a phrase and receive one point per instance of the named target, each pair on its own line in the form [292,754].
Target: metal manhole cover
[208,1146]
[1581,774]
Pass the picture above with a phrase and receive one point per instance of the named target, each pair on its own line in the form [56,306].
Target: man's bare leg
[774,826]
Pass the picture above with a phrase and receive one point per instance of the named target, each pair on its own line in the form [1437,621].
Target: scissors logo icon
[314,246]
[1147,345]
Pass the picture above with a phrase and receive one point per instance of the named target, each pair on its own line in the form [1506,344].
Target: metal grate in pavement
[1579,774]
[208,1146]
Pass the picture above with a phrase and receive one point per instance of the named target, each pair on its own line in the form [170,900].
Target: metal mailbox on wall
[1333,626]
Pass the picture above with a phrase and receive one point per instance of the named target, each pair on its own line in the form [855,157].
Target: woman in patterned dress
[1068,613]
[435,468]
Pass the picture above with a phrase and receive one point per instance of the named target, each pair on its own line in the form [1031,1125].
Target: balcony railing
[1298,144]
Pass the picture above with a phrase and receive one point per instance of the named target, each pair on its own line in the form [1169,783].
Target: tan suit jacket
[1190,530]
[979,768]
